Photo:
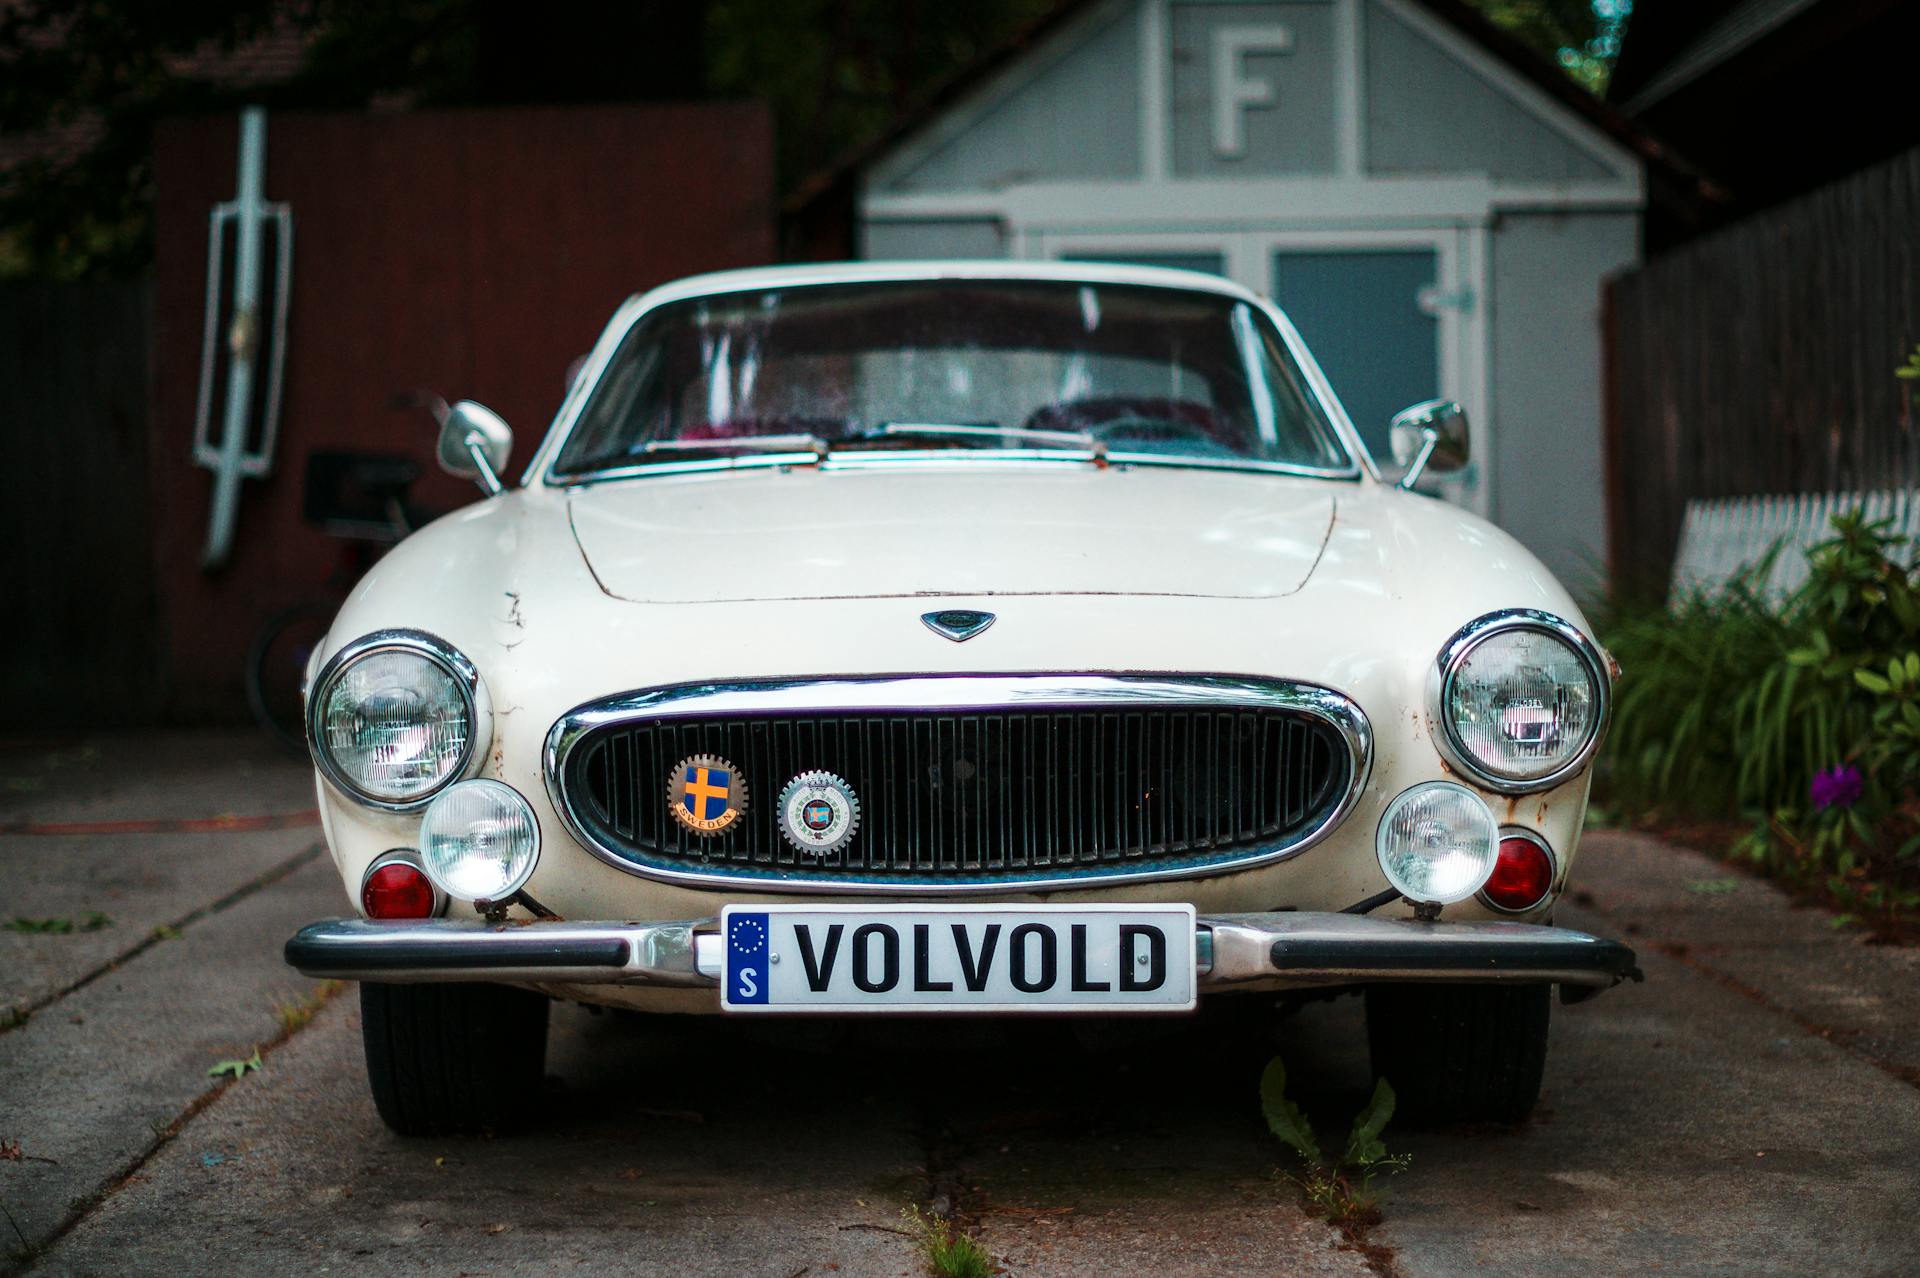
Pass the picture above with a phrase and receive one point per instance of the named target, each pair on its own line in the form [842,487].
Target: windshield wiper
[956,430]
[741,443]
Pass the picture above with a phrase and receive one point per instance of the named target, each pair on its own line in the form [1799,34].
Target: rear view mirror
[475,443]
[1430,435]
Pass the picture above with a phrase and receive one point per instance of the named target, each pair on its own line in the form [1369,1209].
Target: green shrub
[1802,714]
[1683,673]
[1730,704]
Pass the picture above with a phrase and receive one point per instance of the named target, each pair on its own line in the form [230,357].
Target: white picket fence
[1725,535]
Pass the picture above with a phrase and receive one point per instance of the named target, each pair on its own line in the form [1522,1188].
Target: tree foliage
[837,71]
[1582,37]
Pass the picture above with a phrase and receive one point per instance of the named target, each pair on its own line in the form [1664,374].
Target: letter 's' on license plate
[959,958]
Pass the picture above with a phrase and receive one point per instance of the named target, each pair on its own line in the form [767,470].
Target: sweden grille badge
[706,794]
[818,813]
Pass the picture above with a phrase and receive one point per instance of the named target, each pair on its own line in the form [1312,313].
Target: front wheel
[1460,1053]
[446,1059]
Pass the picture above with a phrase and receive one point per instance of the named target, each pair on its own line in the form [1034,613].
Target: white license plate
[958,958]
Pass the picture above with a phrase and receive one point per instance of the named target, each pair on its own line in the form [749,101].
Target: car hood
[1034,528]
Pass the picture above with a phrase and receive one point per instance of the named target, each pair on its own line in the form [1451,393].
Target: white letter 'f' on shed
[1233,92]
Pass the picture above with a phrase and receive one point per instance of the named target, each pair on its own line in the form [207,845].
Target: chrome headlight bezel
[1453,655]
[466,681]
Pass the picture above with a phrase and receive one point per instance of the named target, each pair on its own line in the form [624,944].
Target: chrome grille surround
[933,694]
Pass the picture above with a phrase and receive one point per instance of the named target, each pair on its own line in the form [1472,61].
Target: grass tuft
[948,1252]
[294,1014]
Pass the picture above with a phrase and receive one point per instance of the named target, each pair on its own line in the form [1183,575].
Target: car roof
[754,279]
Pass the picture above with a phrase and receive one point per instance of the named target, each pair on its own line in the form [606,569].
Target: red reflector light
[397,891]
[1522,875]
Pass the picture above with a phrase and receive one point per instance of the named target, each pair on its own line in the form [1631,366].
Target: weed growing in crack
[237,1068]
[948,1252]
[1339,1190]
[93,921]
[293,1014]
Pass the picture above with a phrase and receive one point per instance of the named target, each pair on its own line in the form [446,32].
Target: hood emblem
[957,624]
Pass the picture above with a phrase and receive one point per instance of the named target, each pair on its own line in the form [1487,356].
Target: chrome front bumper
[1236,951]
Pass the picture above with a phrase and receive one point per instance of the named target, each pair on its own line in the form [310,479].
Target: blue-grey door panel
[1359,311]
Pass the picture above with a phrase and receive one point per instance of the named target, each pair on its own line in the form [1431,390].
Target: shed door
[1367,315]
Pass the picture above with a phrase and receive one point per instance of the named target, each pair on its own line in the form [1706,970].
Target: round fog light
[479,841]
[1437,843]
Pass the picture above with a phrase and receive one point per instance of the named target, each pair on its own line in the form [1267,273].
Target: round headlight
[394,718]
[1437,843]
[479,841]
[1522,700]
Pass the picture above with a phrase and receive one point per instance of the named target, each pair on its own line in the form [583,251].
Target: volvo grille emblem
[957,624]
[818,813]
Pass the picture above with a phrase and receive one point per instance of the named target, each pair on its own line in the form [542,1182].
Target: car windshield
[952,366]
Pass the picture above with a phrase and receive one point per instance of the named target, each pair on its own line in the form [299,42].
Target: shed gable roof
[979,90]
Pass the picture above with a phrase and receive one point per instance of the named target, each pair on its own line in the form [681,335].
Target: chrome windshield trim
[1471,636]
[909,458]
[892,693]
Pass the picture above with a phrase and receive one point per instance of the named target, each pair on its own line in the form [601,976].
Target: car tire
[453,1059]
[1459,1053]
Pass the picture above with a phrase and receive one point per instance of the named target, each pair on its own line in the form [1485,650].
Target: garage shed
[1434,206]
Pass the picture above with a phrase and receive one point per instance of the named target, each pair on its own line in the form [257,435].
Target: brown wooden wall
[1760,360]
[477,253]
[76,649]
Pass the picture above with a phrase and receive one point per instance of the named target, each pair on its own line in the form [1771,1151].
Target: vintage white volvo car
[953,638]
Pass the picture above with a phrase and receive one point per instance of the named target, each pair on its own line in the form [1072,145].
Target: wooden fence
[79,646]
[1760,360]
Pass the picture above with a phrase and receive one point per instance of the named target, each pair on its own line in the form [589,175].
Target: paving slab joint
[84,1206]
[12,1018]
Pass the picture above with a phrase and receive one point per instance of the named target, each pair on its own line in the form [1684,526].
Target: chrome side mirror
[1430,435]
[475,444]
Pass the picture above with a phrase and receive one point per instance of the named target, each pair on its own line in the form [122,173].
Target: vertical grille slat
[1001,792]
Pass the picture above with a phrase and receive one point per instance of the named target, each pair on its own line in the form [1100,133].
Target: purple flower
[1837,788]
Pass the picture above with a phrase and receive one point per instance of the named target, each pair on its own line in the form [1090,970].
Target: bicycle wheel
[276,666]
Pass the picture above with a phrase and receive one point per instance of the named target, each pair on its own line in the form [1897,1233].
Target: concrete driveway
[1754,1108]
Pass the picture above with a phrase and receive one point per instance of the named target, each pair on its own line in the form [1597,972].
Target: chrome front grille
[972,782]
